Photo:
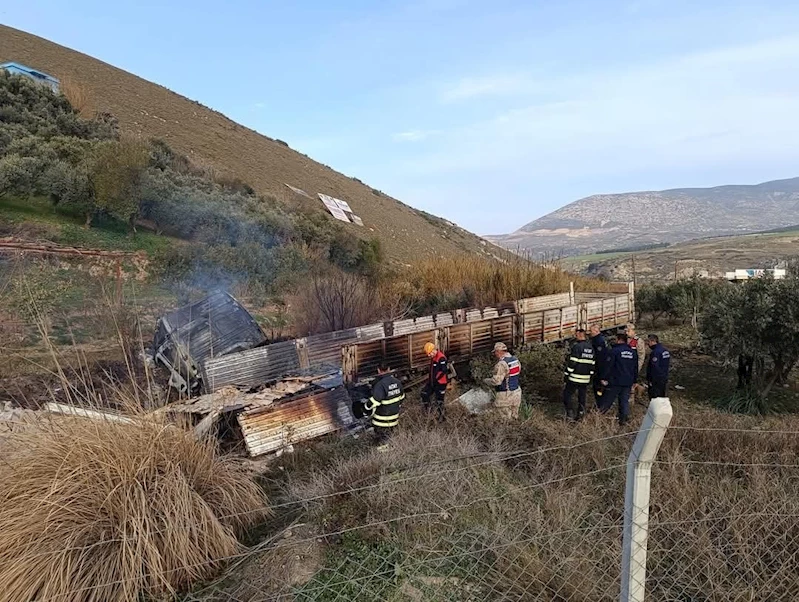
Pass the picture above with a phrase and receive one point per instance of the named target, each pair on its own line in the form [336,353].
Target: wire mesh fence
[444,519]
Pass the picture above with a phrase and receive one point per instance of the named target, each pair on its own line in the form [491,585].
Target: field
[480,509]
[211,140]
[713,257]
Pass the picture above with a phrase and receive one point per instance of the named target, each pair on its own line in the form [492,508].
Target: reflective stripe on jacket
[387,395]
[580,363]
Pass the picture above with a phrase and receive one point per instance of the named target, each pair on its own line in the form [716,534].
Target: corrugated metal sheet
[251,368]
[268,430]
[326,348]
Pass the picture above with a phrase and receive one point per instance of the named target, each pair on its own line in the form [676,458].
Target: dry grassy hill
[712,257]
[211,139]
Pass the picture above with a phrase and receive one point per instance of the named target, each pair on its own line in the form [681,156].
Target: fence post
[636,499]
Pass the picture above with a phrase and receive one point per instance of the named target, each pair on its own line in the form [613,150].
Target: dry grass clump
[95,511]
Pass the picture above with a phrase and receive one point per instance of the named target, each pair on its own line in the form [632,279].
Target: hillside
[209,138]
[609,221]
[711,257]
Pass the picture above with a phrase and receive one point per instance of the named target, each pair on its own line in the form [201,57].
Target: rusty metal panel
[534,304]
[252,367]
[270,429]
[326,348]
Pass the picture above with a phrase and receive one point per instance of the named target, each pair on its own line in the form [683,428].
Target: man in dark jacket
[384,404]
[600,346]
[436,386]
[657,370]
[578,373]
[620,374]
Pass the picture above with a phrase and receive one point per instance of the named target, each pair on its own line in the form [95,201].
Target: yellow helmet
[429,348]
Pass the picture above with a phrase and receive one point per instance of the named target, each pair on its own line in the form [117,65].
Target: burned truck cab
[211,327]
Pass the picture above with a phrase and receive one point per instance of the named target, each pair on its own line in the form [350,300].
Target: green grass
[66,227]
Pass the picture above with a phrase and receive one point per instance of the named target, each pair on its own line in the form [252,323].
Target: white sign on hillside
[333,205]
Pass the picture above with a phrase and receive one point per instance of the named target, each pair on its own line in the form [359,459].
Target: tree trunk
[769,385]
[88,223]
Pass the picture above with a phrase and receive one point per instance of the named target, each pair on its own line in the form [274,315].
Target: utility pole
[635,282]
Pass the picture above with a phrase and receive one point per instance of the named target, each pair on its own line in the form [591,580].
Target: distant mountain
[629,220]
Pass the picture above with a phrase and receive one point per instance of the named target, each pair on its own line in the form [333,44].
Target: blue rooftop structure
[37,76]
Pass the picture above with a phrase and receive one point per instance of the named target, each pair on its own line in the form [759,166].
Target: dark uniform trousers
[658,389]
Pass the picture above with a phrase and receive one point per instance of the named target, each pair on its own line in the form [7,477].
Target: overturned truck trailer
[212,327]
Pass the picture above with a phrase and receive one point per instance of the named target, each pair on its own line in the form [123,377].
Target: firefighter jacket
[437,381]
[657,370]
[387,395]
[506,374]
[621,369]
[580,363]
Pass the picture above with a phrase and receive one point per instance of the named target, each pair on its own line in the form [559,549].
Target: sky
[490,114]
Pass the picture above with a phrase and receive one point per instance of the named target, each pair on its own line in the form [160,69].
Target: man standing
[505,381]
[600,346]
[621,371]
[433,392]
[639,345]
[657,370]
[578,372]
[384,404]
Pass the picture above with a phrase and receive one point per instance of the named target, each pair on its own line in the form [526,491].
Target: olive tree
[758,320]
[115,175]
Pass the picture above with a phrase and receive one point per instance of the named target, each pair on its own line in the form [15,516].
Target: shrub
[758,319]
[114,512]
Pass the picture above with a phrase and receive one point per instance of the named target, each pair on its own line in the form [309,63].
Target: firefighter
[385,404]
[433,392]
[657,370]
[505,380]
[600,346]
[577,375]
[619,376]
